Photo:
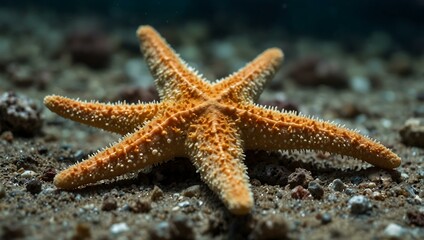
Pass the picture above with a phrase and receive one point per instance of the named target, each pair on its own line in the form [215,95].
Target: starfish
[211,123]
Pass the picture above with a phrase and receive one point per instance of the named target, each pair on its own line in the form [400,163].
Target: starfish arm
[272,130]
[248,83]
[174,78]
[156,142]
[215,148]
[118,118]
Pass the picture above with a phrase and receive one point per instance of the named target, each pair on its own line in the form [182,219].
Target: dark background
[403,20]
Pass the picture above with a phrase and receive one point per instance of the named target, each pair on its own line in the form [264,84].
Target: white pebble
[360,84]
[394,231]
[118,228]
[28,174]
[184,204]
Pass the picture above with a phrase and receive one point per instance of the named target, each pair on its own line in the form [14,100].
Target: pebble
[109,203]
[412,132]
[34,186]
[337,185]
[359,204]
[356,180]
[119,228]
[19,114]
[141,206]
[300,177]
[416,217]
[48,175]
[360,84]
[12,231]
[326,218]
[28,174]
[378,196]
[82,231]
[48,190]
[300,193]
[394,231]
[7,136]
[184,204]
[367,185]
[156,193]
[316,190]
[192,191]
[350,191]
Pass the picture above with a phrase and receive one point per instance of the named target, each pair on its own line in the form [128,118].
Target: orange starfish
[210,123]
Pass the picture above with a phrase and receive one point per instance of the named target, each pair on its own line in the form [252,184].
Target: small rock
[156,193]
[359,204]
[43,150]
[356,180]
[160,231]
[82,232]
[12,231]
[184,204]
[378,196]
[300,193]
[325,218]
[337,185]
[349,191]
[394,231]
[48,175]
[118,228]
[19,114]
[192,191]
[316,190]
[270,227]
[7,136]
[360,84]
[300,177]
[109,203]
[141,206]
[28,174]
[416,218]
[412,132]
[34,186]
[181,227]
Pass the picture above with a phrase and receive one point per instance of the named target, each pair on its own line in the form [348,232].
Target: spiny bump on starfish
[210,123]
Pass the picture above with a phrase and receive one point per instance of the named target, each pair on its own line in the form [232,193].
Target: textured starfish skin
[210,123]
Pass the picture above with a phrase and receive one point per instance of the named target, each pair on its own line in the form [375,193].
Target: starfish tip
[144,29]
